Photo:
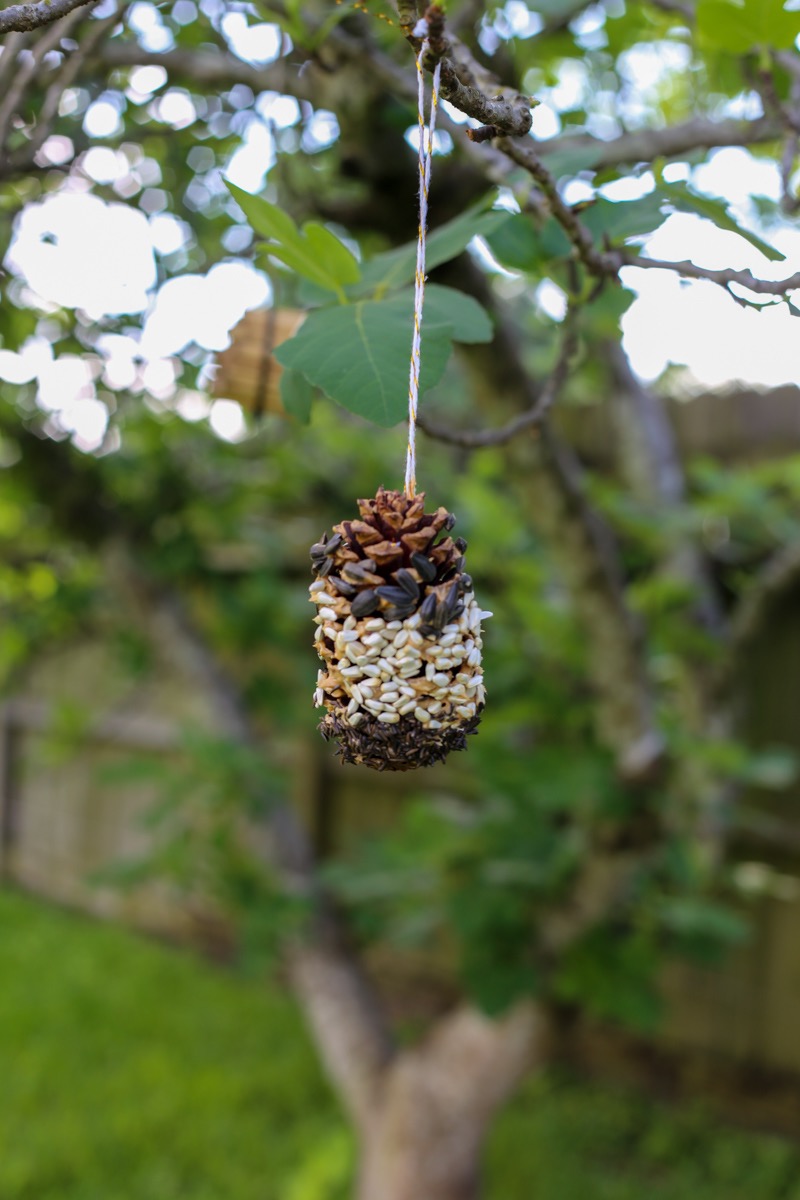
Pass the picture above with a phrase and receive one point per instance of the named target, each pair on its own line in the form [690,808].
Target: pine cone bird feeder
[399,633]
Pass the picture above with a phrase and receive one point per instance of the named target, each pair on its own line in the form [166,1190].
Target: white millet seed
[374,624]
[350,622]
[401,638]
[327,614]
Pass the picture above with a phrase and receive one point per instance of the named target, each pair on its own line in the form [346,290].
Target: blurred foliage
[228,524]
[135,1072]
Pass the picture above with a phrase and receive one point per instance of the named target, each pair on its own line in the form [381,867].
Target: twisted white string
[425,154]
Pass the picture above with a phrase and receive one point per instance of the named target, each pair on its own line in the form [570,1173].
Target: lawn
[129,1071]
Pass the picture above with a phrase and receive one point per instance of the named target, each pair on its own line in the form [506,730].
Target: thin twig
[724,277]
[525,155]
[21,18]
[66,76]
[28,71]
[477,438]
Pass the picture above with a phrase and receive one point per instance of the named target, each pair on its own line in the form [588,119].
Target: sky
[671,322]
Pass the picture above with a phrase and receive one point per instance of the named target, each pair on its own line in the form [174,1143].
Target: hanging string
[425,154]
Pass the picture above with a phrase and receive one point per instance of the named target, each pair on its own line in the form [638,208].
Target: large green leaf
[297,394]
[396,267]
[445,306]
[313,252]
[684,199]
[359,353]
[738,26]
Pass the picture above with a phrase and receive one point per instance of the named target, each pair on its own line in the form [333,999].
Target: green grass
[129,1071]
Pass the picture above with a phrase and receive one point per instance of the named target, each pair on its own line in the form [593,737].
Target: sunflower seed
[401,638]
[440,678]
[352,707]
[406,708]
[356,693]
[375,624]
[356,718]
[426,568]
[389,718]
[422,715]
[364,603]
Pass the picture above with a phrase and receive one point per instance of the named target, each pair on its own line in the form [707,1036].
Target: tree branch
[724,276]
[21,18]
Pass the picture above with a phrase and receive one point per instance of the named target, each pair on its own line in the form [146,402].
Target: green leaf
[738,26]
[396,267]
[620,220]
[359,353]
[315,253]
[297,394]
[332,254]
[443,305]
[685,199]
[265,218]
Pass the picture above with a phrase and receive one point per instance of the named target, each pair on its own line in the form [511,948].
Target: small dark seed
[427,610]
[365,603]
[354,571]
[408,583]
[426,568]
[344,589]
[461,545]
[394,595]
[396,612]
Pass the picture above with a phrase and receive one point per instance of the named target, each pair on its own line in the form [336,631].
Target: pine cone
[399,631]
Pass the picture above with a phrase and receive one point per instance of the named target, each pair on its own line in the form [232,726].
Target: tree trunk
[424,1138]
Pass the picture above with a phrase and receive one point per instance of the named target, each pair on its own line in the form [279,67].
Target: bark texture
[424,1136]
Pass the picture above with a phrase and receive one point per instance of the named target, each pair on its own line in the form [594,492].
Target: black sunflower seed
[461,545]
[427,609]
[451,599]
[449,522]
[396,612]
[407,582]
[344,589]
[365,603]
[466,583]
[325,567]
[333,545]
[426,568]
[394,595]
